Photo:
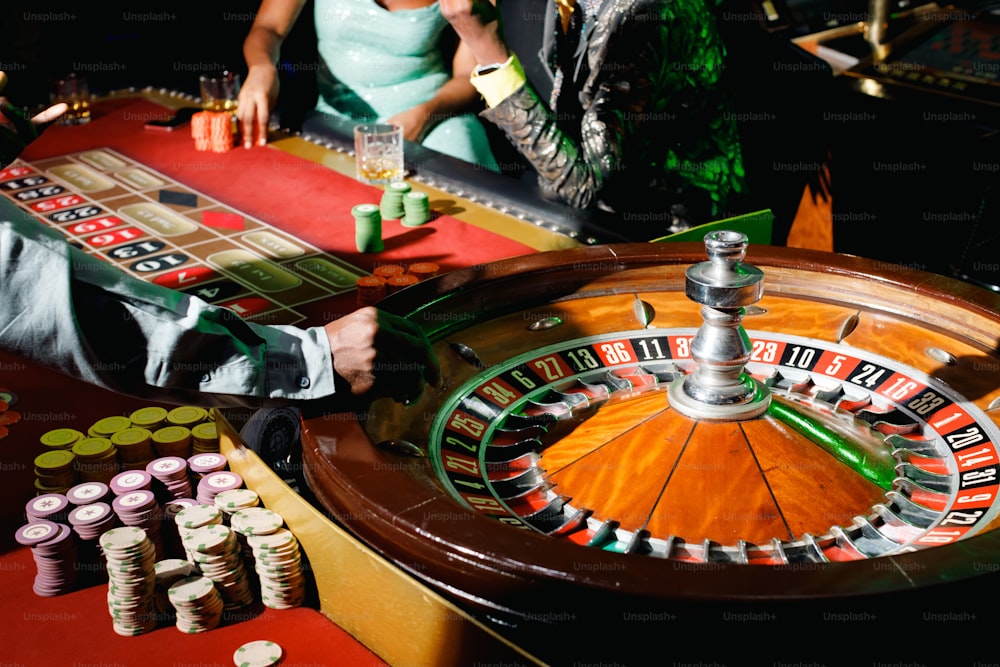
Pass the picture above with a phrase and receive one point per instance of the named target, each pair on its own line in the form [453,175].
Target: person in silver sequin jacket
[638,121]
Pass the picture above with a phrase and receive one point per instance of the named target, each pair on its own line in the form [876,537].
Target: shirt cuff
[501,83]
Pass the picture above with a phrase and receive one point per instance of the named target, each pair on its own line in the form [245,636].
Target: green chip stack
[367,228]
[417,209]
[392,200]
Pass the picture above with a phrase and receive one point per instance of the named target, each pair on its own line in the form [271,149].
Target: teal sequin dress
[379,63]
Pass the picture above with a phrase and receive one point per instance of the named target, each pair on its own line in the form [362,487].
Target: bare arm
[456,96]
[261,49]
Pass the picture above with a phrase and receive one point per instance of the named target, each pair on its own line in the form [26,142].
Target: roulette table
[548,503]
[560,484]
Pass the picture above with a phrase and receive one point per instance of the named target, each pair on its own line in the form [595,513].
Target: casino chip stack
[278,564]
[52,507]
[131,559]
[54,551]
[150,418]
[172,441]
[90,521]
[96,459]
[367,228]
[423,270]
[55,471]
[197,603]
[212,131]
[105,428]
[399,282]
[7,416]
[258,653]
[234,500]
[391,205]
[205,438]
[135,447]
[214,483]
[200,465]
[140,509]
[172,546]
[371,290]
[194,517]
[86,493]
[187,416]
[168,572]
[129,481]
[417,207]
[388,271]
[216,553]
[276,556]
[170,478]
[61,438]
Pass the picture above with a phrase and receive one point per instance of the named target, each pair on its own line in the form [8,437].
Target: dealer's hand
[382,354]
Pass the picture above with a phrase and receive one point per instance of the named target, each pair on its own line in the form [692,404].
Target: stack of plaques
[214,483]
[54,551]
[170,477]
[130,558]
[216,553]
[197,604]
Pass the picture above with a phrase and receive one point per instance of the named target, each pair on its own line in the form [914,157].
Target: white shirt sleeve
[68,310]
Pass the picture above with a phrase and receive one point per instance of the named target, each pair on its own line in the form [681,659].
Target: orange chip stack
[371,289]
[423,270]
[397,283]
[389,270]
[212,131]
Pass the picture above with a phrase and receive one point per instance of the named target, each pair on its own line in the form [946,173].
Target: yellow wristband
[500,83]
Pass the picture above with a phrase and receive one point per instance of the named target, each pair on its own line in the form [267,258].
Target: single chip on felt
[178,198]
[223,220]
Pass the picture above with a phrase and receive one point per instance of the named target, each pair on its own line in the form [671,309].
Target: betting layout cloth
[265,233]
[161,230]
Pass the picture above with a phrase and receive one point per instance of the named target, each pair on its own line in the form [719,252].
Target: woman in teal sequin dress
[378,61]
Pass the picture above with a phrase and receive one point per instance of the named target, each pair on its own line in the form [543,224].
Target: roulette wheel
[638,429]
